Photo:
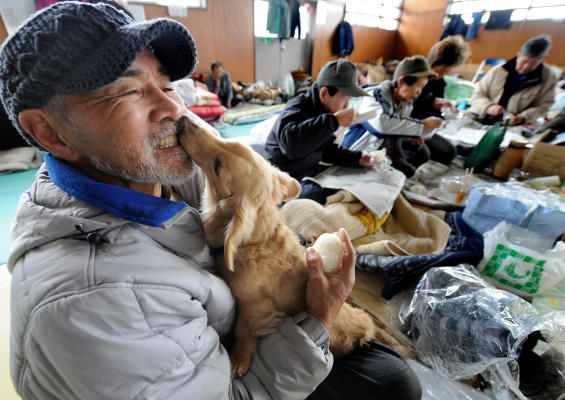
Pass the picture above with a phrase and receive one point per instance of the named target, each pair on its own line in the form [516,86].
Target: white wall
[14,12]
[273,62]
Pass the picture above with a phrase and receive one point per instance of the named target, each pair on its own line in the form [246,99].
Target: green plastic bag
[485,152]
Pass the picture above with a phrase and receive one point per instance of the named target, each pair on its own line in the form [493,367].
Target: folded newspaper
[377,188]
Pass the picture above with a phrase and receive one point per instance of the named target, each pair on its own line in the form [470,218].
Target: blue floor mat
[11,188]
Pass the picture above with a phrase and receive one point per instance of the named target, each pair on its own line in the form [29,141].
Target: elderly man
[219,82]
[523,87]
[113,290]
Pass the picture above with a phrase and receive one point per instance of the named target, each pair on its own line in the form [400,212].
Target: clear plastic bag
[462,326]
[438,387]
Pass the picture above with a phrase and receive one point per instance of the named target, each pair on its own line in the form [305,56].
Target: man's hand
[441,103]
[365,160]
[495,109]
[346,117]
[516,120]
[326,293]
[432,122]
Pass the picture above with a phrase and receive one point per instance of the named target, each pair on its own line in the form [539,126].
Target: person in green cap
[304,133]
[393,128]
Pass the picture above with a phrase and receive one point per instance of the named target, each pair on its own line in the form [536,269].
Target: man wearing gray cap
[113,290]
[304,134]
[523,87]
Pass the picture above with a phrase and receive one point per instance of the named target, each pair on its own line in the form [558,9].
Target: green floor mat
[11,187]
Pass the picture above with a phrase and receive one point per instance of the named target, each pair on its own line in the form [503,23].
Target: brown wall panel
[3,31]
[370,43]
[506,43]
[421,27]
[224,31]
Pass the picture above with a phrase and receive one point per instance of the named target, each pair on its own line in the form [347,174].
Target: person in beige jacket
[523,86]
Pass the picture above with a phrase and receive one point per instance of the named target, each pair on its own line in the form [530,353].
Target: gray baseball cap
[72,47]
[416,66]
[341,74]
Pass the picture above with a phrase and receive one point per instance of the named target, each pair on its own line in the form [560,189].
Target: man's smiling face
[127,129]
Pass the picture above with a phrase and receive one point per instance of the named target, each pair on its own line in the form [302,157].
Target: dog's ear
[239,230]
[286,185]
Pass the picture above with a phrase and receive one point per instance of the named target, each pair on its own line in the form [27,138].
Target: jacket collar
[532,78]
[122,202]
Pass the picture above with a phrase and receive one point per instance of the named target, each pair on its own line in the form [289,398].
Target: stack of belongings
[258,93]
[200,101]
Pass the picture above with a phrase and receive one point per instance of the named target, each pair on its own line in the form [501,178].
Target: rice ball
[330,249]
[377,157]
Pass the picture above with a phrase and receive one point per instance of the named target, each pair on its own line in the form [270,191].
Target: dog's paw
[239,365]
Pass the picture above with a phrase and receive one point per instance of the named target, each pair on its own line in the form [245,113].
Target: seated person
[393,128]
[219,82]
[442,58]
[523,87]
[304,133]
[114,289]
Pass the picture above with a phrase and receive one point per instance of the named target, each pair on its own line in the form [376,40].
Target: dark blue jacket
[303,136]
[343,39]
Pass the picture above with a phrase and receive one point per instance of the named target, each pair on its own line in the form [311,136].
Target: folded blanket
[406,231]
[252,113]
[411,229]
[376,188]
[206,101]
[207,112]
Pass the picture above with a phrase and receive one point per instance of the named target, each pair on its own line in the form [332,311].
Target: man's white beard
[143,172]
[145,168]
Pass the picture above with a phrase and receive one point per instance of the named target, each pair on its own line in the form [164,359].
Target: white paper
[366,115]
[377,188]
[473,136]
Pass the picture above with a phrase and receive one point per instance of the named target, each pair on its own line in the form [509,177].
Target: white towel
[19,159]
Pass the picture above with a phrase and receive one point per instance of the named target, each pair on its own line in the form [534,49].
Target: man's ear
[45,130]
[323,94]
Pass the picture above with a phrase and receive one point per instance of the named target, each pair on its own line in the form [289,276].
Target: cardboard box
[546,159]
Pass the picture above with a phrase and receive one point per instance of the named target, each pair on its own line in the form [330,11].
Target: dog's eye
[217,165]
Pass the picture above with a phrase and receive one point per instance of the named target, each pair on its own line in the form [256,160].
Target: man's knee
[385,372]
[409,387]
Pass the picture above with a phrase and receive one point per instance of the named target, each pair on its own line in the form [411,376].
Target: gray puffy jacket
[392,120]
[133,310]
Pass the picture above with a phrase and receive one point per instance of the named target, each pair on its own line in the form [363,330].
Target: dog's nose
[183,125]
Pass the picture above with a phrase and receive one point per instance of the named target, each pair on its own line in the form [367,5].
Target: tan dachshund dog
[265,264]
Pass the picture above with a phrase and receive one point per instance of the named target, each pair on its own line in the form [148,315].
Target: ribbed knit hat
[72,47]
[537,47]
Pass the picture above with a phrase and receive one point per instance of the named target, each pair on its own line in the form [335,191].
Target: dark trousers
[441,149]
[313,191]
[370,372]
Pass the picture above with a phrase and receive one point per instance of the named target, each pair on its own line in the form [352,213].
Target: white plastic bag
[519,269]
